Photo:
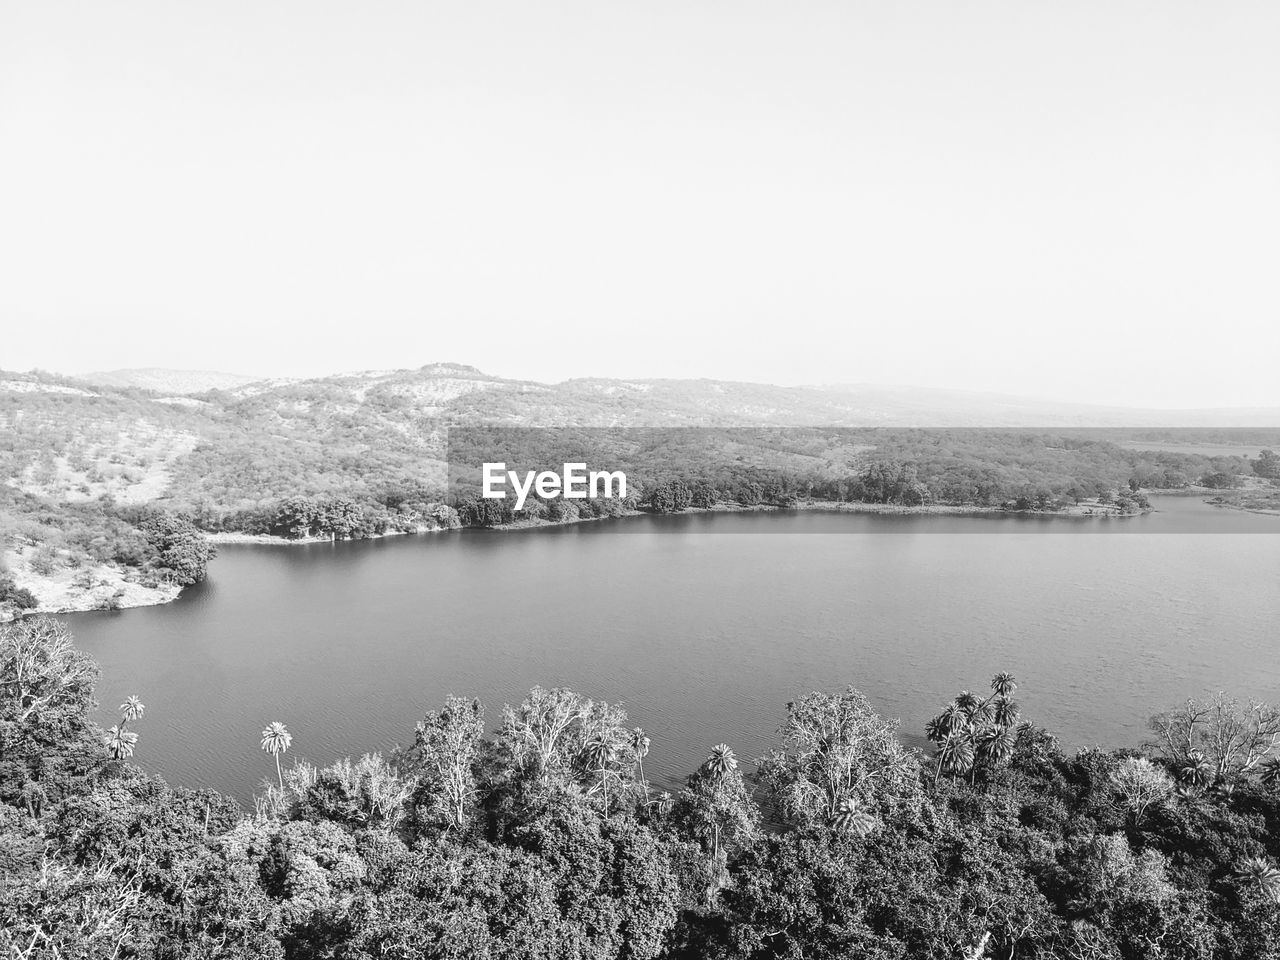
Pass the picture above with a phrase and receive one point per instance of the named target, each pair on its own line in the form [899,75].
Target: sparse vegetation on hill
[365,455]
[168,382]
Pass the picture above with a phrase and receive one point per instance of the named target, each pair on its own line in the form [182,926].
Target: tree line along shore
[102,554]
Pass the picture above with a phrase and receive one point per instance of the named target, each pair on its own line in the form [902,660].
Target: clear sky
[1068,200]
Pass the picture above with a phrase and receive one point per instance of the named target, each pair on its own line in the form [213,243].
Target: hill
[87,463]
[164,381]
[441,389]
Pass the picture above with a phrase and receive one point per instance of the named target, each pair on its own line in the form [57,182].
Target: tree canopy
[543,839]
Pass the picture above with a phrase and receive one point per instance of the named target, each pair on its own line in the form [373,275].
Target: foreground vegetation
[543,839]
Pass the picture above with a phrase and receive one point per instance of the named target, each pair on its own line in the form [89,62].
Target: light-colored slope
[167,381]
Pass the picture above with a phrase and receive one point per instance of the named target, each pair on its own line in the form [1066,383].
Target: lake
[704,626]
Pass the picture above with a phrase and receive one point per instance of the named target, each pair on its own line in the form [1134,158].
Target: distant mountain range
[161,380]
[435,389]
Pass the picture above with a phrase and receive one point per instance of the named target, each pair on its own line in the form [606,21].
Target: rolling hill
[152,435]
[165,381]
[86,462]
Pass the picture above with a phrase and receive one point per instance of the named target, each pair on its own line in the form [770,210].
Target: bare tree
[376,794]
[549,732]
[89,911]
[445,753]
[40,670]
[835,747]
[1139,785]
[1234,738]
[540,732]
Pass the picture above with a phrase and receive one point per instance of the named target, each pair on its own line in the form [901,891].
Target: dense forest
[533,833]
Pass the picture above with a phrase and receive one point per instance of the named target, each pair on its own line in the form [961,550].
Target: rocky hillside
[69,440]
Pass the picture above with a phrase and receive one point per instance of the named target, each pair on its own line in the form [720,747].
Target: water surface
[703,626]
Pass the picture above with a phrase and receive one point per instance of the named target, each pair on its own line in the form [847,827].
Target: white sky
[1073,200]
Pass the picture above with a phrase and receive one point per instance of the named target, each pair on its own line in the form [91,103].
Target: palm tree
[954,717]
[951,720]
[721,761]
[937,728]
[1005,711]
[276,739]
[1190,795]
[599,753]
[131,709]
[995,745]
[967,702]
[981,712]
[1271,772]
[955,756]
[120,742]
[640,747]
[1260,875]
[1004,684]
[851,818]
[1196,772]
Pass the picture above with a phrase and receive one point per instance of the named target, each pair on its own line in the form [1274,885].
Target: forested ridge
[532,832]
[108,490]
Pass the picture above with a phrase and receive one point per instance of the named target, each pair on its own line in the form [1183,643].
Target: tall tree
[1140,785]
[47,742]
[545,738]
[276,739]
[835,747]
[1005,711]
[995,744]
[955,756]
[131,709]
[599,752]
[1232,737]
[542,735]
[444,756]
[1003,684]
[716,806]
[721,762]
[183,550]
[639,744]
[120,742]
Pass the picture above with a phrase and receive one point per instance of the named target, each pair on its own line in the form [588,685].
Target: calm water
[704,626]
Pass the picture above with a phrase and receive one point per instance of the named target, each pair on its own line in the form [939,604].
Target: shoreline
[268,539]
[1242,508]
[1083,512]
[60,600]
[110,588]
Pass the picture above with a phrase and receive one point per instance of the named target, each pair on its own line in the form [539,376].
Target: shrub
[19,597]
